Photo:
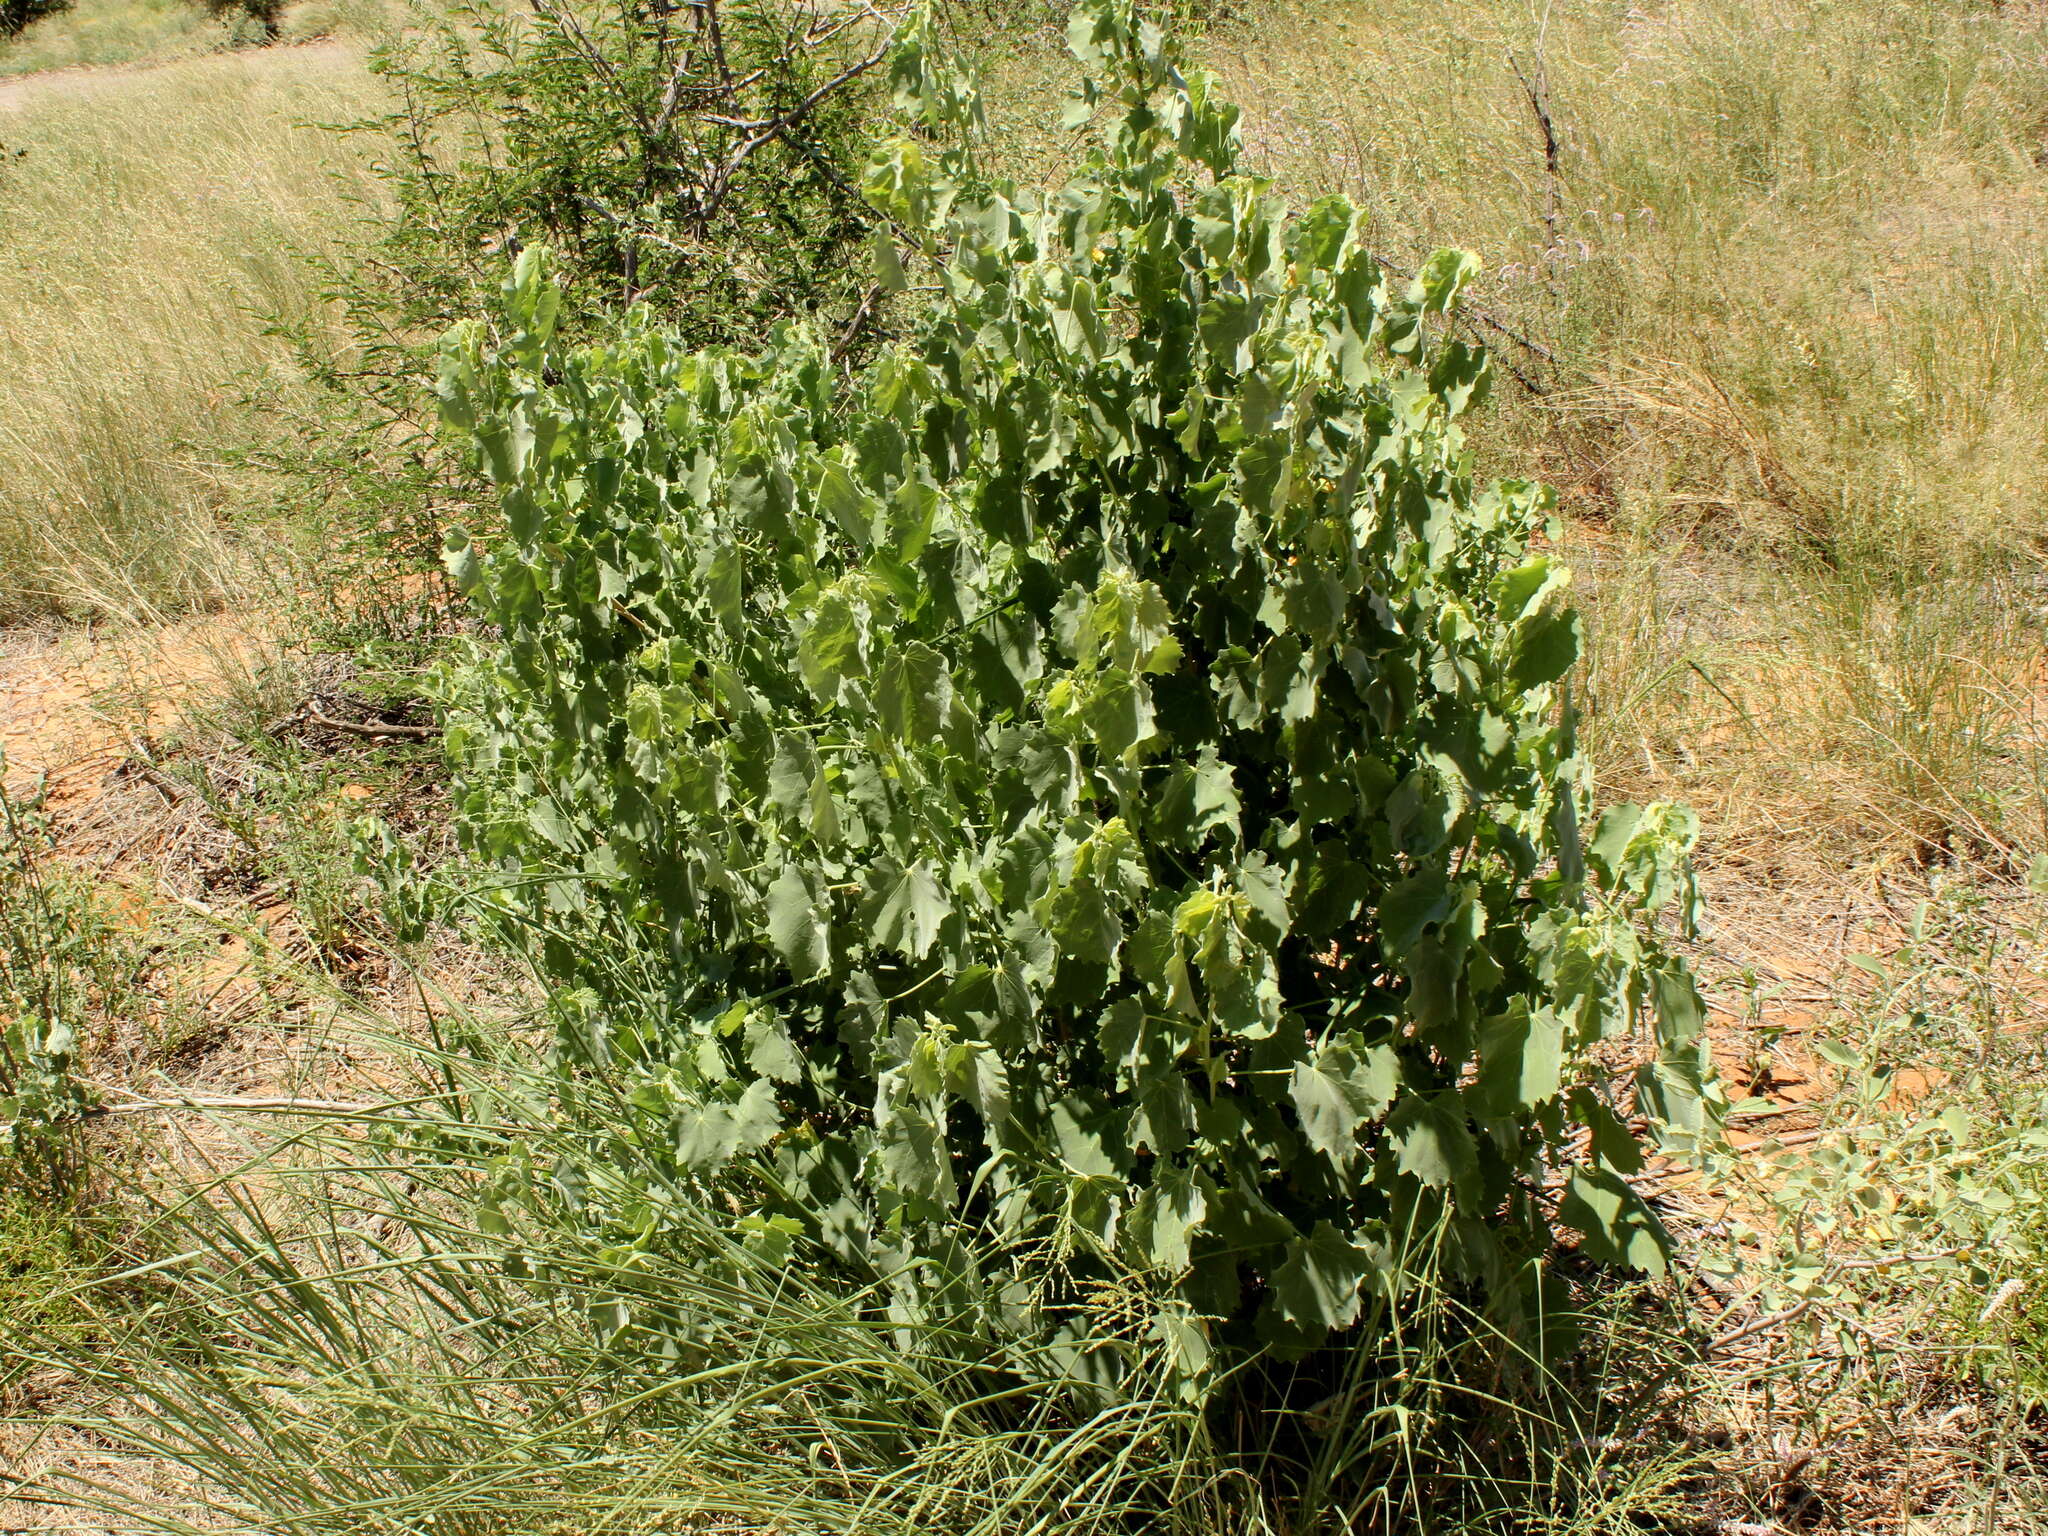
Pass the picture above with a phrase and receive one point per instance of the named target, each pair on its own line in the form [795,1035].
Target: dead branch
[372,728]
[1538,92]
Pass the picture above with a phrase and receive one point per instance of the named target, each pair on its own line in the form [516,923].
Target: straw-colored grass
[95,34]
[1787,269]
[98,33]
[150,230]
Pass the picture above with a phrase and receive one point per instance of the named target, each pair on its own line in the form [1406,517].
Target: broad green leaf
[1423,811]
[770,1051]
[1543,647]
[975,1072]
[831,650]
[799,921]
[1432,1139]
[1119,712]
[757,1118]
[1343,1086]
[1617,1226]
[1460,375]
[1835,1053]
[1185,1339]
[1610,1139]
[1170,1212]
[724,584]
[707,1137]
[841,498]
[1412,906]
[1199,799]
[1681,1011]
[888,262]
[911,1147]
[507,443]
[1608,846]
[913,692]
[1521,1055]
[905,908]
[792,773]
[643,712]
[1317,1286]
[1521,588]
[1082,922]
[459,556]
[1083,1146]
[1443,274]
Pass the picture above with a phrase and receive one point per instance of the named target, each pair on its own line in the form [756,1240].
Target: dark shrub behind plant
[700,159]
[16,14]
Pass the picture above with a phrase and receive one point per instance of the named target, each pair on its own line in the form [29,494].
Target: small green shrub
[55,953]
[51,1253]
[1095,793]
[247,21]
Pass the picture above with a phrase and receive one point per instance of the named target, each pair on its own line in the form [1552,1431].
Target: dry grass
[150,230]
[1798,250]
[1826,724]
[1789,275]
[97,33]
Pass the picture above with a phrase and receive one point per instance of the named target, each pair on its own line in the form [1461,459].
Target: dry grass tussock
[210,867]
[1829,728]
[149,236]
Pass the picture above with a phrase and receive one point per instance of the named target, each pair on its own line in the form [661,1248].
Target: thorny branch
[1537,89]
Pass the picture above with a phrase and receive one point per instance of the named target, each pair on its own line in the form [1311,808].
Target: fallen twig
[1538,92]
[372,727]
[258,1105]
[1750,1330]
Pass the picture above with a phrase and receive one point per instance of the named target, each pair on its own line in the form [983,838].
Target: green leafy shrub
[248,21]
[1095,793]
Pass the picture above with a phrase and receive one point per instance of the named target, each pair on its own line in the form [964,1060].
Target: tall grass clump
[150,234]
[400,1318]
[84,34]
[410,1326]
